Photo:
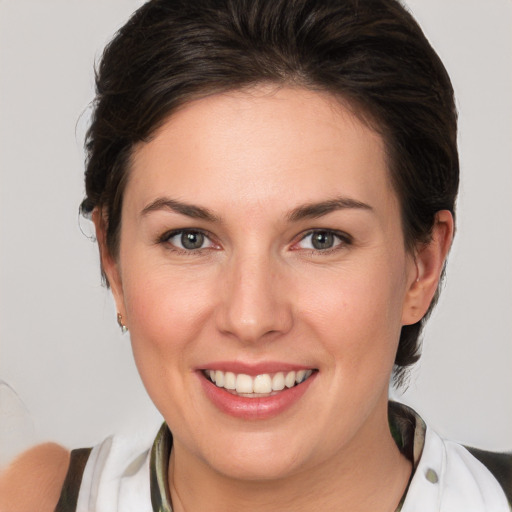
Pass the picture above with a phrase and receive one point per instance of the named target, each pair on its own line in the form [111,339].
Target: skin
[257,292]
[34,479]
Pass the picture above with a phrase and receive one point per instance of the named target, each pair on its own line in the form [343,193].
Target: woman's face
[261,238]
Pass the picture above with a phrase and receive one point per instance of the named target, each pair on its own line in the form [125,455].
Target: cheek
[166,311]
[358,314]
[168,315]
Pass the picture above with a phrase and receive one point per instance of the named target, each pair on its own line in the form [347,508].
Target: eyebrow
[316,210]
[306,211]
[189,210]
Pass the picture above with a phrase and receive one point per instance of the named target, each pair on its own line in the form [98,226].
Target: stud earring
[123,327]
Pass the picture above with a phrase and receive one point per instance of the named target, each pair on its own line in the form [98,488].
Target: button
[431,476]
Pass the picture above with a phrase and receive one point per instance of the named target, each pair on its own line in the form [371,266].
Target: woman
[273,189]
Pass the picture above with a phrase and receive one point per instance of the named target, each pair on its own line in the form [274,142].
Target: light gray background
[60,348]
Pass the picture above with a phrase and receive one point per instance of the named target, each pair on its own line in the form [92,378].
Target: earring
[124,329]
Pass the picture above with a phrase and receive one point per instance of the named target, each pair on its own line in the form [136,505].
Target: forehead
[264,145]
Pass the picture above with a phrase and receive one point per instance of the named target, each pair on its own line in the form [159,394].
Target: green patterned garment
[407,428]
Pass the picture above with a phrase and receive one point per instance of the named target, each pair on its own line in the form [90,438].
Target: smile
[258,386]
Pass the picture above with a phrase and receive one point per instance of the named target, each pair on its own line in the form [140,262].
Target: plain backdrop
[61,351]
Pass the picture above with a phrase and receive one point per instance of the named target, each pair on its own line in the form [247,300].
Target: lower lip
[254,408]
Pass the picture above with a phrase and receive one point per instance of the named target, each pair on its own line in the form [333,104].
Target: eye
[323,240]
[188,240]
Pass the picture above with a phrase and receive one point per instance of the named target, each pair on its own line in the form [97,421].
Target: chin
[256,456]
[258,468]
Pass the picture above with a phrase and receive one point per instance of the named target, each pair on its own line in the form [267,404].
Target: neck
[370,474]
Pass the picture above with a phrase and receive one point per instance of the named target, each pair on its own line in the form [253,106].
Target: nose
[254,305]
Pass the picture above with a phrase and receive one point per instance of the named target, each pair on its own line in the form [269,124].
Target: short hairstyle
[371,54]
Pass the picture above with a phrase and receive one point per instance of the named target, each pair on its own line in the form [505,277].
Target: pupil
[322,240]
[192,240]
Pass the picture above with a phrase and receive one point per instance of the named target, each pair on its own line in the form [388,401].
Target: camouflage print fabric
[426,450]
[407,427]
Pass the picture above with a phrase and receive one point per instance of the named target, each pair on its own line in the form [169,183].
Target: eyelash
[166,237]
[343,239]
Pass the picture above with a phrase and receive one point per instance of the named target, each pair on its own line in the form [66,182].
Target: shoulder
[115,476]
[448,475]
[33,481]
[487,474]
[499,464]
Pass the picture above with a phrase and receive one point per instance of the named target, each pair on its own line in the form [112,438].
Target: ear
[429,260]
[109,264]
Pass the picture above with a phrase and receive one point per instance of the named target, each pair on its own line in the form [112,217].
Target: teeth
[289,380]
[244,383]
[219,378]
[263,384]
[278,381]
[230,380]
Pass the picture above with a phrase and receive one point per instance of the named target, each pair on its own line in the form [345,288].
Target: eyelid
[166,236]
[344,239]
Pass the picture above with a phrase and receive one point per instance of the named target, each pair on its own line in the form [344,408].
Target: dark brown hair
[370,53]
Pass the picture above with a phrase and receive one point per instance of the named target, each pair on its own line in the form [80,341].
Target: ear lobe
[429,260]
[109,265]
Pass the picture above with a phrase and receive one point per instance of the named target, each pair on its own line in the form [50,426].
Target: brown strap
[70,489]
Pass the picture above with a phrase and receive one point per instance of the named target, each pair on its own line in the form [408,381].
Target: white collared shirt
[447,478]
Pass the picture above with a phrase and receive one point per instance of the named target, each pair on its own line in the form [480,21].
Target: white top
[447,478]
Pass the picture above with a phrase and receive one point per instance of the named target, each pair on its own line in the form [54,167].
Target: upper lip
[254,368]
